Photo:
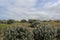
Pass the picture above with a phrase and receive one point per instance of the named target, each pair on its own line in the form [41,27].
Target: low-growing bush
[34,24]
[44,33]
[40,32]
[18,33]
[58,34]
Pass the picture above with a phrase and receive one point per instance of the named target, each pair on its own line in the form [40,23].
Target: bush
[23,21]
[32,20]
[10,21]
[34,24]
[17,33]
[3,21]
[58,34]
[44,33]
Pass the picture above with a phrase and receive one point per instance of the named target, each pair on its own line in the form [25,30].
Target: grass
[54,24]
[5,26]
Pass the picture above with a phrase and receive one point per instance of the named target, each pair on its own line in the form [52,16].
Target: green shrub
[58,34]
[17,33]
[34,24]
[44,33]
[10,21]
[32,20]
[3,21]
[23,20]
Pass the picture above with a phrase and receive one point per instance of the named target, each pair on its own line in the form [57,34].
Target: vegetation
[10,21]
[29,30]
[32,20]
[17,33]
[34,24]
[58,34]
[44,33]
[23,20]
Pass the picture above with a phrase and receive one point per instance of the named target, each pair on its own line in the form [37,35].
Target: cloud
[27,9]
[53,5]
[53,8]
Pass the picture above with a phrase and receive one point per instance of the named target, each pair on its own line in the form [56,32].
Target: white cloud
[16,11]
[53,6]
[53,9]
[24,9]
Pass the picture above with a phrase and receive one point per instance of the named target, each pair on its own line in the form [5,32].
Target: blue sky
[30,9]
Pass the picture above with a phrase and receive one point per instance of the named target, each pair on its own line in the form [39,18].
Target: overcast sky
[30,9]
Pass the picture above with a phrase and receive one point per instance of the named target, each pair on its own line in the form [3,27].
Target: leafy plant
[58,34]
[44,33]
[23,20]
[17,33]
[10,21]
[34,24]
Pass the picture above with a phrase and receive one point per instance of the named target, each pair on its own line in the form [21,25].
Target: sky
[30,9]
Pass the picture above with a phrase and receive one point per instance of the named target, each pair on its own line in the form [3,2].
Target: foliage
[3,21]
[34,24]
[10,21]
[31,20]
[58,34]
[30,30]
[44,33]
[17,33]
[23,20]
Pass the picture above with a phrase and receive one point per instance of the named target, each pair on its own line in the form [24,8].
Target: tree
[31,20]
[23,20]
[10,21]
